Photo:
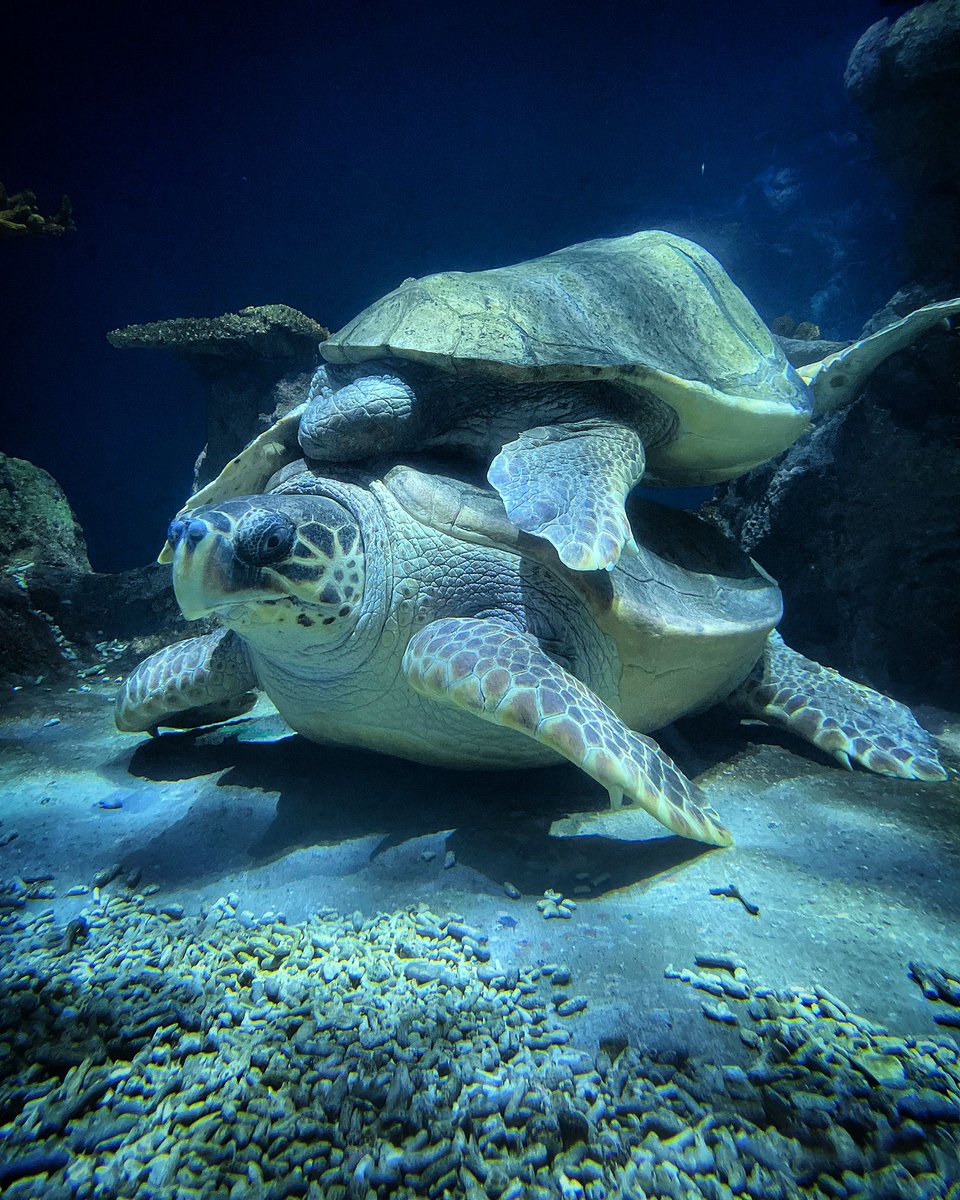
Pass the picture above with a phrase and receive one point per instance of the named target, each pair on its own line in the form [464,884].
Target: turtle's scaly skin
[610,463]
[199,681]
[849,721]
[393,613]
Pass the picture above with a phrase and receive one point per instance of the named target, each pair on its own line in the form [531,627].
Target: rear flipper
[201,681]
[848,720]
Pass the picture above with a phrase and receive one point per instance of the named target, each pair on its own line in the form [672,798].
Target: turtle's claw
[902,763]
[929,770]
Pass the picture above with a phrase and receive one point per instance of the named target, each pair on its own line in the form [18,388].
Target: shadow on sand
[497,822]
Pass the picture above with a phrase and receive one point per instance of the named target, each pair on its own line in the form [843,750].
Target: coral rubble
[151,1052]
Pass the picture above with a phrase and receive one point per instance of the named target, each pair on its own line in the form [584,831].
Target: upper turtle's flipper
[848,720]
[502,676]
[247,474]
[201,681]
[567,483]
[838,379]
[354,411]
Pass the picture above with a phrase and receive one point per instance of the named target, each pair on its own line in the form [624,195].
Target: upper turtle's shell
[689,614]
[650,312]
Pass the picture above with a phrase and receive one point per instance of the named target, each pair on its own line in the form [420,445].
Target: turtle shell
[651,312]
[688,615]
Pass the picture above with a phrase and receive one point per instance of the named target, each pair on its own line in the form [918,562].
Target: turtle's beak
[202,558]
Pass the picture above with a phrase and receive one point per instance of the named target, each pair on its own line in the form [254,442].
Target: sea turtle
[577,374]
[408,614]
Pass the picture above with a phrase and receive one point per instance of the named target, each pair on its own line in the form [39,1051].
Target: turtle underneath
[572,377]
[407,614]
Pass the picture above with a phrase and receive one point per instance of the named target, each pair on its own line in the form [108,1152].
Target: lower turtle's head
[272,563]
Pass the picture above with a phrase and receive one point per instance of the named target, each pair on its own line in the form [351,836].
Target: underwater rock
[267,332]
[20,217]
[905,74]
[858,523]
[37,523]
[53,608]
[801,351]
[905,77]
[28,643]
[250,362]
[134,604]
[54,620]
[785,326]
[38,530]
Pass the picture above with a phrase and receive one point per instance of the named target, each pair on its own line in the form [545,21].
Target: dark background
[223,155]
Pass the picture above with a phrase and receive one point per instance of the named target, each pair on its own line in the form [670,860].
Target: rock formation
[905,77]
[20,217]
[37,523]
[250,363]
[54,611]
[860,524]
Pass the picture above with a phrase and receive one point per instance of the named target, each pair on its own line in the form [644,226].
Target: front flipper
[502,676]
[848,720]
[248,473]
[201,681]
[355,411]
[568,483]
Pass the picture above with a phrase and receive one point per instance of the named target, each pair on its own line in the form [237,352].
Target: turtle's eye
[264,537]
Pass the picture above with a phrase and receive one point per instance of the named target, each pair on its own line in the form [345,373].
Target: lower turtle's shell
[651,312]
[688,615]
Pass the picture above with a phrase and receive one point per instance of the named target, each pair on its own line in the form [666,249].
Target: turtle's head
[270,565]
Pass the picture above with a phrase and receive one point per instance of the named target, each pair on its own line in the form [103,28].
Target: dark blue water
[220,156]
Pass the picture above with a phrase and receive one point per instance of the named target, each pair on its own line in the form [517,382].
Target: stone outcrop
[905,77]
[54,610]
[37,523]
[250,363]
[128,605]
[860,523]
[37,528]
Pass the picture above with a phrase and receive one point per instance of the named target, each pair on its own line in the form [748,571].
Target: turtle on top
[414,612]
[572,376]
